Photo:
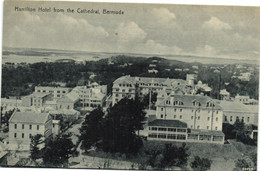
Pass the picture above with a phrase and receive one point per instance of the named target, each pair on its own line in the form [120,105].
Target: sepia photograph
[129,86]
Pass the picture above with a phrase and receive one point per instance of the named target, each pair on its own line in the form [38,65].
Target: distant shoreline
[34,55]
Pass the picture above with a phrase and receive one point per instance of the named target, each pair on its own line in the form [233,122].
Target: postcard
[129,86]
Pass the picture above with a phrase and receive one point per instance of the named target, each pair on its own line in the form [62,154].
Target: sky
[208,31]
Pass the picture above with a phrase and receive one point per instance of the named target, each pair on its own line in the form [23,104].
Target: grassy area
[223,156]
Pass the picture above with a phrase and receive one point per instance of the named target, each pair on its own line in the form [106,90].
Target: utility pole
[150,100]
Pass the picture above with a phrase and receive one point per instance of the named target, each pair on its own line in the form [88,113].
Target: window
[162,136]
[58,91]
[208,118]
[175,110]
[123,90]
[162,129]
[248,119]
[161,115]
[22,135]
[180,116]
[216,118]
[198,127]
[180,110]
[30,135]
[242,119]
[22,126]
[161,109]
[225,118]
[198,117]
[171,136]
[154,128]
[117,95]
[191,126]
[15,135]
[191,117]
[192,110]
[172,129]
[15,126]
[216,128]
[38,127]
[230,118]
[174,116]
[207,127]
[63,91]
[30,126]
[216,112]
[237,118]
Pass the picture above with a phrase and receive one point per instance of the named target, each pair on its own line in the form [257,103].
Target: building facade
[57,92]
[199,112]
[175,130]
[127,86]
[91,96]
[233,111]
[24,125]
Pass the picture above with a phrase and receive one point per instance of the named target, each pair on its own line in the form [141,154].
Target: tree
[200,164]
[153,154]
[34,147]
[120,126]
[242,163]
[57,151]
[242,132]
[91,129]
[146,99]
[174,156]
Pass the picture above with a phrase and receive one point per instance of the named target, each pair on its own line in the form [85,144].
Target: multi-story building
[10,103]
[57,92]
[36,99]
[127,86]
[233,111]
[91,96]
[68,102]
[24,125]
[187,118]
[175,130]
[198,112]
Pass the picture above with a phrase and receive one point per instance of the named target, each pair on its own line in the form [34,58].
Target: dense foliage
[200,164]
[167,156]
[21,80]
[91,129]
[116,132]
[35,152]
[57,151]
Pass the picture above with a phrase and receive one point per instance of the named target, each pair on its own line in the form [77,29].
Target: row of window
[197,111]
[15,135]
[167,136]
[167,129]
[44,91]
[125,85]
[29,126]
[180,117]
[237,118]
[198,127]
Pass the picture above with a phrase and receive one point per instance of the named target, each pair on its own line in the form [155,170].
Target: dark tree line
[21,80]
[56,151]
[116,131]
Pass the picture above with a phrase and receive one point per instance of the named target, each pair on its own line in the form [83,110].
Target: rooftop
[188,100]
[206,132]
[238,107]
[167,123]
[29,117]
